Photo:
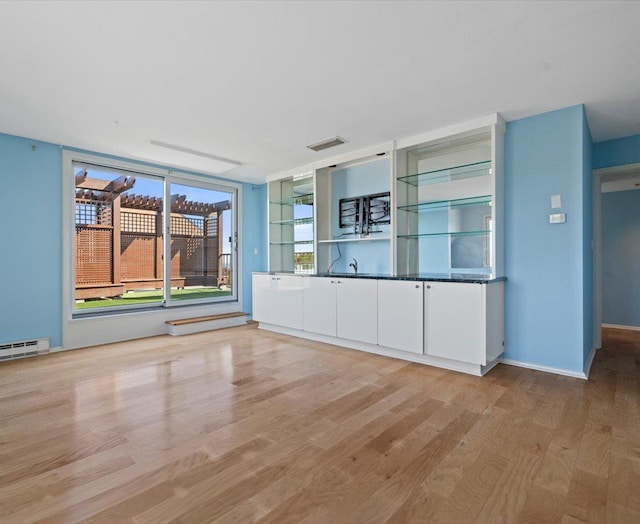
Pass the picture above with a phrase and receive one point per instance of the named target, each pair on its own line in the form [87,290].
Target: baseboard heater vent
[24,348]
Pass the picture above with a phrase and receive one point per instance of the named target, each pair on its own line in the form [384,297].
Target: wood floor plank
[478,483]
[623,495]
[454,467]
[243,425]
[542,505]
[512,489]
[424,506]
[23,497]
[81,502]
[587,498]
[557,468]
[299,488]
[178,484]
[595,449]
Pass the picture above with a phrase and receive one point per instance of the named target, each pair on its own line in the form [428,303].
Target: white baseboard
[490,366]
[59,348]
[619,326]
[546,369]
[445,363]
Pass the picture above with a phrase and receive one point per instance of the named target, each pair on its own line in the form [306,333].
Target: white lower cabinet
[462,323]
[342,307]
[456,322]
[400,315]
[277,299]
[319,305]
[357,311]
[263,288]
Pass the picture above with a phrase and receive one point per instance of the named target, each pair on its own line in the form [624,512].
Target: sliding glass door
[145,241]
[202,245]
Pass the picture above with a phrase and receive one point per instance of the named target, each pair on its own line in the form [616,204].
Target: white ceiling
[256,82]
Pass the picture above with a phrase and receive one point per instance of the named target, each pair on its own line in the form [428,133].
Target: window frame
[172,179]
[167,176]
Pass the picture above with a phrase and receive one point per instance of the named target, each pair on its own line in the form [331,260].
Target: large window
[145,240]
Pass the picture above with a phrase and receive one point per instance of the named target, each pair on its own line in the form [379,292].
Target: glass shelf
[451,173]
[293,221]
[446,233]
[422,207]
[291,242]
[358,239]
[296,200]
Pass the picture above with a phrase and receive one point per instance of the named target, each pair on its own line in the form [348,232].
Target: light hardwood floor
[241,425]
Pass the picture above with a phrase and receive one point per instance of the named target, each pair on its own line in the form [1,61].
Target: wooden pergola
[119,239]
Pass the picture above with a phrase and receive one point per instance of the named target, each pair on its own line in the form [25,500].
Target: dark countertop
[423,277]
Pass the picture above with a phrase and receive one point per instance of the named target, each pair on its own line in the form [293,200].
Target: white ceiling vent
[326,144]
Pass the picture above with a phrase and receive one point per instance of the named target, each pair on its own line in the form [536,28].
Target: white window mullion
[166,228]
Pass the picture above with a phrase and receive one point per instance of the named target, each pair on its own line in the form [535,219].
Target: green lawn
[151,297]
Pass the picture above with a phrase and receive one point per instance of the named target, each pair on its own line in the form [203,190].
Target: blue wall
[31,239]
[544,301]
[254,235]
[618,152]
[621,258]
[434,252]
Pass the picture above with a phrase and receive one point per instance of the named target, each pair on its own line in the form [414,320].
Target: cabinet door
[319,305]
[264,289]
[400,315]
[454,321]
[357,310]
[286,308]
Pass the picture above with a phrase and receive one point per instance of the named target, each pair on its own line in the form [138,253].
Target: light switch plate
[558,218]
[556,201]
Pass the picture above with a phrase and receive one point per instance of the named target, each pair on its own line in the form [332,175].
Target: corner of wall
[588,306]
[31,291]
[254,237]
[544,321]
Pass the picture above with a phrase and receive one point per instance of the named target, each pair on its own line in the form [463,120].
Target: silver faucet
[354,265]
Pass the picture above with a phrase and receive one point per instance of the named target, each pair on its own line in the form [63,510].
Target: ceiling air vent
[326,144]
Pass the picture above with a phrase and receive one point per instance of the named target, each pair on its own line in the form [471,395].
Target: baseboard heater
[23,349]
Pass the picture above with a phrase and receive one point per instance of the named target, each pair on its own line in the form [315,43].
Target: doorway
[616,275]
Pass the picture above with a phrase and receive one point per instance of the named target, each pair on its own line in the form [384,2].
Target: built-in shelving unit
[291,220]
[442,192]
[447,193]
[426,213]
